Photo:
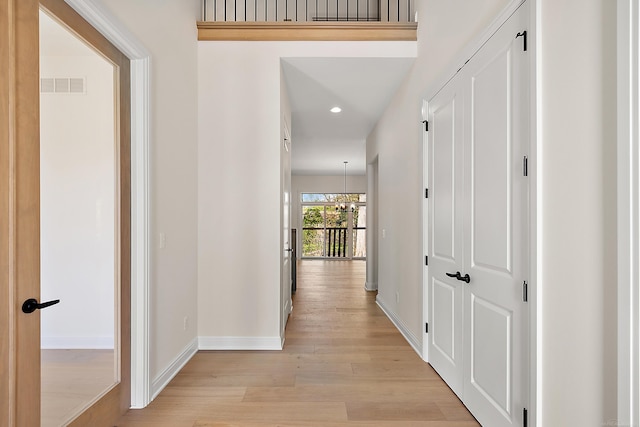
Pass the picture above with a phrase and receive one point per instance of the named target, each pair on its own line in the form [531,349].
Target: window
[331,232]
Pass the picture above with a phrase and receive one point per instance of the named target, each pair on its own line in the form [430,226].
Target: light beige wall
[239,171]
[167,30]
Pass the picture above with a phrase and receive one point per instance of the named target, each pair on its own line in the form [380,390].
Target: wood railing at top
[310,20]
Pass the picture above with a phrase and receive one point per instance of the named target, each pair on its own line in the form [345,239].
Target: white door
[285,286]
[445,214]
[495,227]
[478,136]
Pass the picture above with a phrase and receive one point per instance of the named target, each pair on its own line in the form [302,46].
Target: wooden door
[495,227]
[445,229]
[20,213]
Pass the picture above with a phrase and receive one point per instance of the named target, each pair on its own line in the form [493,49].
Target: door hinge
[426,193]
[525,292]
[426,328]
[525,166]
[426,260]
[525,418]
[426,125]
[524,36]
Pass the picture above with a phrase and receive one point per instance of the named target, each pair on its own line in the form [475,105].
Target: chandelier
[342,205]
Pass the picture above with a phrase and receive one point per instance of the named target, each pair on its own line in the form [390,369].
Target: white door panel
[495,228]
[444,133]
[445,207]
[490,145]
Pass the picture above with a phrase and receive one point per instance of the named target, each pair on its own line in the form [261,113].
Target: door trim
[139,58]
[628,214]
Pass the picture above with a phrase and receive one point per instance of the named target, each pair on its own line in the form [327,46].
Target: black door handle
[460,277]
[31,305]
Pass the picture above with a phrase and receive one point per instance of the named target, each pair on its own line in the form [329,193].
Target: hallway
[344,363]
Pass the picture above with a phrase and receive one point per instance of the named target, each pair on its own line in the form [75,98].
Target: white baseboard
[76,343]
[240,343]
[160,382]
[371,286]
[413,341]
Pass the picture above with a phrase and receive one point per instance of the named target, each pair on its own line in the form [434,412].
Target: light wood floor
[344,363]
[71,380]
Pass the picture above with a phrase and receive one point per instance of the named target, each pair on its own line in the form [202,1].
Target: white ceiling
[362,87]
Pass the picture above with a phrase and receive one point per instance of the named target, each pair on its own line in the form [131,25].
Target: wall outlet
[397,297]
[163,240]
[186,322]
[384,233]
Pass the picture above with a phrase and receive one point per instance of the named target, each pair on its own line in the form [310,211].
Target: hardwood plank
[343,363]
[394,411]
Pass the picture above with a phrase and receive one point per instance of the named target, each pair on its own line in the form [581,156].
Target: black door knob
[31,305]
[466,278]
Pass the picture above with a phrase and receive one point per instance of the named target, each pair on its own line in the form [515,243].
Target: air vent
[63,85]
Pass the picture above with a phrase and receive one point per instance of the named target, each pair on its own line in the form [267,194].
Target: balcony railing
[333,242]
[308,10]
[308,20]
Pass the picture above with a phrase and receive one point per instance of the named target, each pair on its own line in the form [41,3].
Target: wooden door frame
[19,207]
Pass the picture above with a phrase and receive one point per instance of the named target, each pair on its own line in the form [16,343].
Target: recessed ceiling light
[336,109]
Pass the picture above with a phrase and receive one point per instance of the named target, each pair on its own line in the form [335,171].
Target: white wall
[239,182]
[577,269]
[167,30]
[77,183]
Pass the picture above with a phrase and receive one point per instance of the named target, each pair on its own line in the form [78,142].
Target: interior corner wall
[445,27]
[167,30]
[239,170]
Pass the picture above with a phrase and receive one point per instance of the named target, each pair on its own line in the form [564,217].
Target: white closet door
[495,227]
[445,213]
